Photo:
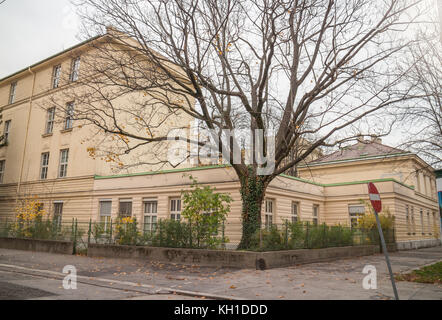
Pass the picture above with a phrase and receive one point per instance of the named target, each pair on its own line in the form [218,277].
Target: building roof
[49,58]
[362,149]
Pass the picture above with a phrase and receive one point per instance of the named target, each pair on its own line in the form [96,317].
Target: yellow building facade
[46,155]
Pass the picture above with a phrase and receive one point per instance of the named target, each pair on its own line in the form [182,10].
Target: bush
[127,231]
[301,235]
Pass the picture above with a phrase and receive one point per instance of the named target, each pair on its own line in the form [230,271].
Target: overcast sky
[31,30]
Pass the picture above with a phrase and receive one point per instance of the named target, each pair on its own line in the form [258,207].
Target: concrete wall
[52,246]
[227,258]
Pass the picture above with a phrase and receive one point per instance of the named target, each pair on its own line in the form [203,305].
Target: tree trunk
[252,195]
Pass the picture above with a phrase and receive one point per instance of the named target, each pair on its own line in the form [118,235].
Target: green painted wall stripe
[97,177]
[386,155]
[367,181]
[228,165]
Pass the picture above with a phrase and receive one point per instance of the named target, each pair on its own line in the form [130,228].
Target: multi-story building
[47,154]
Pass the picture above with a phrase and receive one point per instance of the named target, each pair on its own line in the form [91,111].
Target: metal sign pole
[384,248]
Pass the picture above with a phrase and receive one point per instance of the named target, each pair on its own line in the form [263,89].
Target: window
[50,116]
[315,214]
[434,223]
[69,116]
[12,90]
[2,170]
[58,213]
[105,213]
[175,209]
[428,223]
[44,165]
[56,76]
[74,69]
[268,215]
[413,224]
[125,209]
[355,211]
[150,215]
[407,219]
[422,221]
[7,130]
[295,212]
[63,169]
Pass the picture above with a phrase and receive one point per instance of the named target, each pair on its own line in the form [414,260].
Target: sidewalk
[332,280]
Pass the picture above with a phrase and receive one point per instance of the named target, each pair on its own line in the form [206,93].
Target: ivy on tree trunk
[252,195]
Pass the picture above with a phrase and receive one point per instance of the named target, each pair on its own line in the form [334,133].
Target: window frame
[315,217]
[58,216]
[295,215]
[12,92]
[50,119]
[44,167]
[269,212]
[130,207]
[56,73]
[175,214]
[107,216]
[68,120]
[150,219]
[2,170]
[75,68]
[7,131]
[63,165]
[413,222]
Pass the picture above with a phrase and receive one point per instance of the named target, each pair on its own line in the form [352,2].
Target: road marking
[155,289]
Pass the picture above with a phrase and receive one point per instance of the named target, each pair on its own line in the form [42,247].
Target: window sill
[66,130]
[44,135]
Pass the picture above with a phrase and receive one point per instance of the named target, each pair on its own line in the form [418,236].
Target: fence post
[161,232]
[75,237]
[89,233]
[190,233]
[110,231]
[286,235]
[223,234]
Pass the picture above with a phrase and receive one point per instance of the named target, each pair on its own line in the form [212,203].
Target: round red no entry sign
[374,196]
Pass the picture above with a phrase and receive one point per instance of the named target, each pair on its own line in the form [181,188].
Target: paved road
[35,275]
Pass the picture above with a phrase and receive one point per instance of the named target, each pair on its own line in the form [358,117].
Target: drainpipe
[26,135]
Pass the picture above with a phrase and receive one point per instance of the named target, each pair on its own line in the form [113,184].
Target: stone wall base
[416,244]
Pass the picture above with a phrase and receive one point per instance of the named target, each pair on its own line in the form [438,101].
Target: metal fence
[185,234]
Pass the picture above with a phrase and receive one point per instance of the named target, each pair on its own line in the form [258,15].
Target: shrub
[127,231]
[204,211]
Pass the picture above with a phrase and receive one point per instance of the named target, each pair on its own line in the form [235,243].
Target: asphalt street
[37,275]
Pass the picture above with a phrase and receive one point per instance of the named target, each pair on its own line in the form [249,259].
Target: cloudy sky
[32,30]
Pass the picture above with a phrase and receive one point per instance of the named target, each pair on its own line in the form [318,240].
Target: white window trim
[7,130]
[65,164]
[269,214]
[2,170]
[295,215]
[42,166]
[68,120]
[56,76]
[174,214]
[12,92]
[50,119]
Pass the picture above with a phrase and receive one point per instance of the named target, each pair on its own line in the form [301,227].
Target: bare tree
[317,70]
[421,120]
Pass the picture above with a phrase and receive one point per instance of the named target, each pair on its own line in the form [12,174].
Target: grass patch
[428,274]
